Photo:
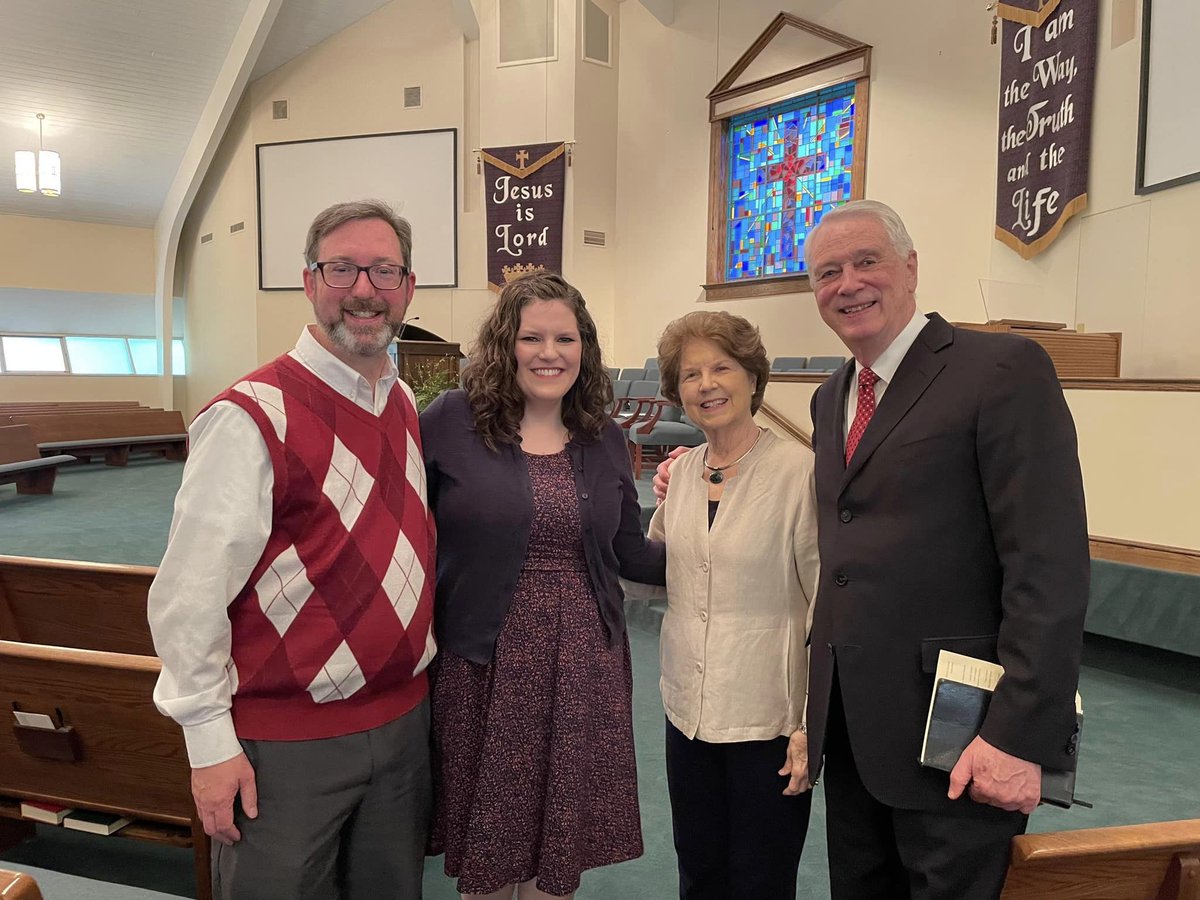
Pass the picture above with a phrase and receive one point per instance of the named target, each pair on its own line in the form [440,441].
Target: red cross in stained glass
[793,167]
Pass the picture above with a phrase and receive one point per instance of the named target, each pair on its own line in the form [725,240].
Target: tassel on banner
[991,7]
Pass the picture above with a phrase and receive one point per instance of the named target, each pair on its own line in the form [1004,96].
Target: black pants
[737,837]
[878,852]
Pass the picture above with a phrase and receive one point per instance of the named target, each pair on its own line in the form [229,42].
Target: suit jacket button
[1070,749]
[840,580]
[584,495]
[845,515]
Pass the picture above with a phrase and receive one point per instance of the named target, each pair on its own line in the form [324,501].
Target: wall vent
[236,227]
[279,109]
[412,97]
[206,238]
[593,238]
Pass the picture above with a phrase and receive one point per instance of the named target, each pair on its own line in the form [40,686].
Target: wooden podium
[417,360]
[1074,354]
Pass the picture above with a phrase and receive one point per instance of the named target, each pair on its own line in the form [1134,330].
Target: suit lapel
[917,371]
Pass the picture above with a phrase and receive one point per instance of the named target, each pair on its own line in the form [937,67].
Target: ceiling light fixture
[39,171]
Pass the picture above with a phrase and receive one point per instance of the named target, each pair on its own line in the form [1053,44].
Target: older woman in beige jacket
[740,526]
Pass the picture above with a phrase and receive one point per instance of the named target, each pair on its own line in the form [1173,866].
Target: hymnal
[962,689]
[50,813]
[95,822]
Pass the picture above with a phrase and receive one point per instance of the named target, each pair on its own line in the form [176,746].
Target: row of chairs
[807,363]
[652,424]
[779,364]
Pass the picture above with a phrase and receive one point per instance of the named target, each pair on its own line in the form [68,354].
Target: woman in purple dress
[537,515]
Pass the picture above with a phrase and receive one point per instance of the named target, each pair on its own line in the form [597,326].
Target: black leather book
[956,712]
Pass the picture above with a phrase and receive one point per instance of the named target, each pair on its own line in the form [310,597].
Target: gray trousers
[342,818]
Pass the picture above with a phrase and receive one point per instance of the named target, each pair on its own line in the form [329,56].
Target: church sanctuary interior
[169,156]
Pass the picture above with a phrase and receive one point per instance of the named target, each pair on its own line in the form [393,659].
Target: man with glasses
[293,607]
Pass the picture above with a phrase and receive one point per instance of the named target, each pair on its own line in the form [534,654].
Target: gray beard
[362,344]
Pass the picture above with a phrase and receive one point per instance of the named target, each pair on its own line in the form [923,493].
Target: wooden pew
[18,886]
[113,752]
[90,606]
[113,433]
[1159,861]
[22,464]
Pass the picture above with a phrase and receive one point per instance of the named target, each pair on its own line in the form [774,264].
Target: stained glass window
[788,163]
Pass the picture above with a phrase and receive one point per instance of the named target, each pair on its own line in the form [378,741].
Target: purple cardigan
[483,505]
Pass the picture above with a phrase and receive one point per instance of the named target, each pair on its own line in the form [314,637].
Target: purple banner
[525,186]
[1047,75]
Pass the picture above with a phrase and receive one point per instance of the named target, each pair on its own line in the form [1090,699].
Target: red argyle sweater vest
[332,632]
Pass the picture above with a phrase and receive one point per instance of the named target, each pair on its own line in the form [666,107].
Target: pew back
[1128,862]
[55,427]
[91,606]
[132,759]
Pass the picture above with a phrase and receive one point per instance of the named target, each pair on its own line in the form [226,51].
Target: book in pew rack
[50,813]
[962,689]
[95,822]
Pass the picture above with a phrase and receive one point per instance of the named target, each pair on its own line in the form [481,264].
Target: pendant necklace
[716,477]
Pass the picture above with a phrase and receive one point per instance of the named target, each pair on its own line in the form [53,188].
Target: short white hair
[887,217]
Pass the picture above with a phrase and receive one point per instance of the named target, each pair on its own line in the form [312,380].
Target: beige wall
[349,84]
[1138,487]
[58,255]
[1128,264]
[64,388]
[932,106]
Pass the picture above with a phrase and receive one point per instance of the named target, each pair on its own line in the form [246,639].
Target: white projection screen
[414,171]
[1169,119]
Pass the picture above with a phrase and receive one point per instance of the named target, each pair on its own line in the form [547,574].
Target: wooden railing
[786,425]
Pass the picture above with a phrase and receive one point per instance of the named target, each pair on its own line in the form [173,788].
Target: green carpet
[1137,764]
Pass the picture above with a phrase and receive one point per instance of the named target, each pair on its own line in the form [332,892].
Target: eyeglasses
[339,274]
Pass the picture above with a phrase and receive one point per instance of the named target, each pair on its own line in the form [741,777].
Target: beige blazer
[733,649]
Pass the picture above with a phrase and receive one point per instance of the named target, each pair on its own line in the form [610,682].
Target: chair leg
[637,461]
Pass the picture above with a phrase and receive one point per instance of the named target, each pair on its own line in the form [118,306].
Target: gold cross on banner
[522,158]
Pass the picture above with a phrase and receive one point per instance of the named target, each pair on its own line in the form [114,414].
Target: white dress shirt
[218,533]
[885,367]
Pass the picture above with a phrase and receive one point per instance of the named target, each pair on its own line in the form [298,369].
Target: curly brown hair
[490,379]
[733,334]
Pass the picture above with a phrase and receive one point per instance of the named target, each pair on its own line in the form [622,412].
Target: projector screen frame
[1140,186]
[454,199]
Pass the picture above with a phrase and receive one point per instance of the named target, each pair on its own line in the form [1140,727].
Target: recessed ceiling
[122,84]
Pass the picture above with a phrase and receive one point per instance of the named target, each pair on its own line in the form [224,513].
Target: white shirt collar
[889,360]
[335,373]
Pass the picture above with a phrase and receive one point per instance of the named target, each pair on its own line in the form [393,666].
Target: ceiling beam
[468,20]
[663,10]
[222,101]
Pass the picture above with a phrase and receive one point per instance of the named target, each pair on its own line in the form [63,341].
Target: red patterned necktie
[866,409]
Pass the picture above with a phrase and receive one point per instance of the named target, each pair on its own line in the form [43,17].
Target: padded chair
[825,363]
[651,365]
[789,363]
[613,373]
[633,374]
[620,392]
[641,394]
[666,426]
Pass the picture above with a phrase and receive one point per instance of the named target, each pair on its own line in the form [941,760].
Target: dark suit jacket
[959,523]
[482,502]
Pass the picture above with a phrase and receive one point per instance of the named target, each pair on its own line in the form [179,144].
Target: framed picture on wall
[414,171]
[1169,111]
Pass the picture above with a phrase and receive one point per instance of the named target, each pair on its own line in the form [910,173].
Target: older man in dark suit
[951,516]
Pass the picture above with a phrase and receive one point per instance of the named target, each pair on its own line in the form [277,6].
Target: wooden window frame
[717,287]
